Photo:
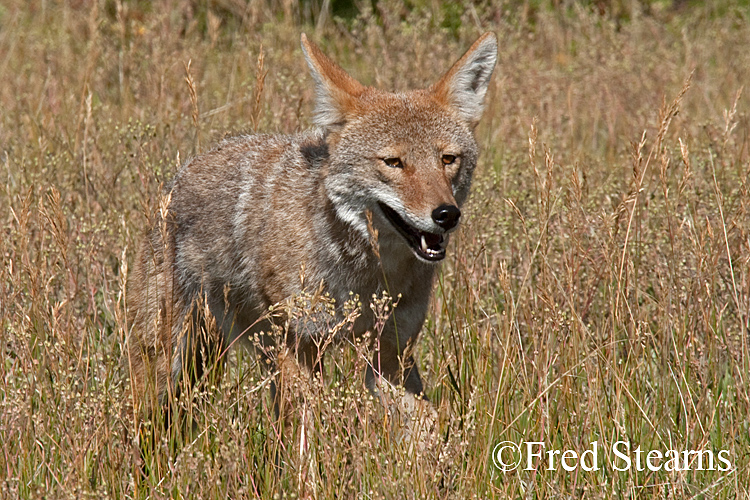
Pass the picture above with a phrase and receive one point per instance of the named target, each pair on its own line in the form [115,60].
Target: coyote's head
[406,157]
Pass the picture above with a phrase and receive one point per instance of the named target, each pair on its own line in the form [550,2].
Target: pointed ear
[465,84]
[336,91]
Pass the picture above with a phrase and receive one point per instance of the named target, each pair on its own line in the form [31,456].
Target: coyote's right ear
[336,91]
[465,84]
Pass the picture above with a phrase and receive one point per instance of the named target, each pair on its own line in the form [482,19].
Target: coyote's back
[239,222]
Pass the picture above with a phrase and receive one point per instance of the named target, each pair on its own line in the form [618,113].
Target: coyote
[239,222]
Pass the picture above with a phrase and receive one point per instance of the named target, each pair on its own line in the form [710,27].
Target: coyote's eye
[448,159]
[393,162]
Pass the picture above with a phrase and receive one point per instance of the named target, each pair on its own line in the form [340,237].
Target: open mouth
[427,246]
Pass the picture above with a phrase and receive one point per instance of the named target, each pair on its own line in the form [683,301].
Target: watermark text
[621,456]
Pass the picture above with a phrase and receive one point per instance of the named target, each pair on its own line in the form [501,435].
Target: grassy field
[599,290]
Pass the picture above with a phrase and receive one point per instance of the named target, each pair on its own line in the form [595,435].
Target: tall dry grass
[598,291]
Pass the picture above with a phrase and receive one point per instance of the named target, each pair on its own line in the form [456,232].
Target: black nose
[446,216]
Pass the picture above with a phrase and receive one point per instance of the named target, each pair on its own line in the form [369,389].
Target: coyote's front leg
[397,367]
[393,358]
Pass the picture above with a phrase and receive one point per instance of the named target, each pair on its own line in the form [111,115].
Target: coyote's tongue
[427,246]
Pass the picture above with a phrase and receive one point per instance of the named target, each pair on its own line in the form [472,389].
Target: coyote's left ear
[465,84]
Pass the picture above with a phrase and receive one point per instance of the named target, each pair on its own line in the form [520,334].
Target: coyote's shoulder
[364,203]
[253,209]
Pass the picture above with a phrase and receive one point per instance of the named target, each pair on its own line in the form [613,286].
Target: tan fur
[241,220]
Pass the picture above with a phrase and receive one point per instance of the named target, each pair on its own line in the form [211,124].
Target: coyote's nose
[446,216]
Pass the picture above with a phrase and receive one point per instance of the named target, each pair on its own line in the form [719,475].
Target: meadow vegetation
[599,289]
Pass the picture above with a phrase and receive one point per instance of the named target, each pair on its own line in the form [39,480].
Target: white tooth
[424,244]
